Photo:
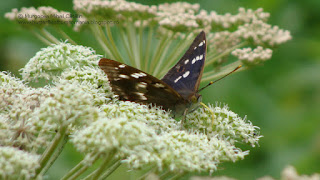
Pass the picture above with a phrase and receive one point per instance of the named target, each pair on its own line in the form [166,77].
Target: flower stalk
[48,153]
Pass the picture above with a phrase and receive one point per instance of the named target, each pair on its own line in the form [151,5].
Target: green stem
[147,51]
[151,62]
[50,150]
[125,41]
[63,34]
[55,155]
[79,168]
[149,171]
[105,40]
[99,38]
[133,44]
[43,39]
[110,170]
[97,173]
[140,42]
[162,56]
[49,36]
[209,76]
[113,44]
[177,176]
[165,175]
[155,59]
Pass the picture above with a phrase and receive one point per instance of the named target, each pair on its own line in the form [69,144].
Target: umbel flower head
[51,61]
[17,164]
[160,142]
[79,104]
[139,135]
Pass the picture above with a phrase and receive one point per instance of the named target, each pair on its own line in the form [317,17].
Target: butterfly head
[195,101]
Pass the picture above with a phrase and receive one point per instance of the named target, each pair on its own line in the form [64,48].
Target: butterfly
[176,91]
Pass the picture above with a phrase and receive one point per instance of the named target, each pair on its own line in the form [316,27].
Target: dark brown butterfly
[176,91]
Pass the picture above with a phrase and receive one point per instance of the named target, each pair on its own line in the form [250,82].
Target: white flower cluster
[223,40]
[17,164]
[179,16]
[153,116]
[226,125]
[18,101]
[51,61]
[34,114]
[140,135]
[10,87]
[180,151]
[227,20]
[261,33]
[159,141]
[40,17]
[67,105]
[116,134]
[110,9]
[290,173]
[252,57]
[183,18]
[94,81]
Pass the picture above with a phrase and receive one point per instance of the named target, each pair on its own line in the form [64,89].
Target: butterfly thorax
[190,106]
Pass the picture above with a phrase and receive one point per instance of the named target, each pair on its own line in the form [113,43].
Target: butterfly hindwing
[132,84]
[185,76]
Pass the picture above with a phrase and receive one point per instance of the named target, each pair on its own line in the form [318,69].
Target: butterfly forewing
[185,76]
[132,84]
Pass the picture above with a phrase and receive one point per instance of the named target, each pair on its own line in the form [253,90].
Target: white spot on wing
[141,96]
[186,74]
[195,47]
[186,61]
[159,85]
[124,76]
[175,81]
[122,65]
[200,44]
[138,75]
[201,56]
[197,58]
[143,74]
[142,85]
[134,75]
[193,60]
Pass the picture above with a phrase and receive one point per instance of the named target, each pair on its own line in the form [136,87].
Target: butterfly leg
[205,106]
[184,117]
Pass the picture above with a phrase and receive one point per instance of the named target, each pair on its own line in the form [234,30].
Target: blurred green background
[282,97]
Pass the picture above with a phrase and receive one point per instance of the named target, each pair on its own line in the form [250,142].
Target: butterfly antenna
[211,82]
